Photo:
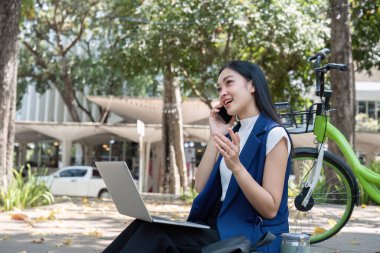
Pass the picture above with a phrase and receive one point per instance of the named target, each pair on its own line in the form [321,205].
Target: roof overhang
[95,133]
[149,110]
[367,91]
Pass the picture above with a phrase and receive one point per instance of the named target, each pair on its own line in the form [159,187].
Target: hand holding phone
[223,115]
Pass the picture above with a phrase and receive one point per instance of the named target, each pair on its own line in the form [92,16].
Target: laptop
[126,197]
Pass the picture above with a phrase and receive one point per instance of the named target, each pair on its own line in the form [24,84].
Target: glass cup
[295,243]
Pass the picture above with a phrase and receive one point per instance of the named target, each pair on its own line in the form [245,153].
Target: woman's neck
[250,114]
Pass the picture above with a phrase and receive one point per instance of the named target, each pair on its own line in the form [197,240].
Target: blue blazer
[237,216]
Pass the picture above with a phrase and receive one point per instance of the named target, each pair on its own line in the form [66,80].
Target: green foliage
[375,167]
[49,38]
[365,123]
[366,33]
[25,192]
[75,43]
[281,35]
[27,10]
[125,42]
[189,196]
[195,38]
[364,196]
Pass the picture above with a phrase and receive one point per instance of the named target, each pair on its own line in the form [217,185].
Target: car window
[79,172]
[73,173]
[96,174]
[65,173]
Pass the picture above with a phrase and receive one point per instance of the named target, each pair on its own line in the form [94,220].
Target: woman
[241,180]
[249,180]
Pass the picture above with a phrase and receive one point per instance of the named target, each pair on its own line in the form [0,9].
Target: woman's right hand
[217,126]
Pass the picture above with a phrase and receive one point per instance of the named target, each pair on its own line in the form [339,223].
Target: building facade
[47,137]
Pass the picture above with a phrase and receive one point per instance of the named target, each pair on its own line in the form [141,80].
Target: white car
[77,181]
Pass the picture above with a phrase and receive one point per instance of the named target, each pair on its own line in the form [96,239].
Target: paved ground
[88,225]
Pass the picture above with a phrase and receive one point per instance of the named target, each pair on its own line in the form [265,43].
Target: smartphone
[223,115]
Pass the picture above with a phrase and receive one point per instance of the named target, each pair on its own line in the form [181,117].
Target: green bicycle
[322,188]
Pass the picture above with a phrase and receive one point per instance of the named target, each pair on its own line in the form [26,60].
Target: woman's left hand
[229,149]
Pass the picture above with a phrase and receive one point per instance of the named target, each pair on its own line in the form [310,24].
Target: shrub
[366,124]
[25,192]
[189,196]
[364,196]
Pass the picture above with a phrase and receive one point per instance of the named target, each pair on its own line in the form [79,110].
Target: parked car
[77,181]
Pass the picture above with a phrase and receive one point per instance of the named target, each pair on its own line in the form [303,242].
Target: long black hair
[252,72]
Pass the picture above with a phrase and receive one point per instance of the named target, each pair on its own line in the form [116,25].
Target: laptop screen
[123,190]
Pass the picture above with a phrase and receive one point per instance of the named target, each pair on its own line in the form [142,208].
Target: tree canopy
[119,47]
[198,37]
[366,34]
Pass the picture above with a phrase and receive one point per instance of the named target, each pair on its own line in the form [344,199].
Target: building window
[362,107]
[371,109]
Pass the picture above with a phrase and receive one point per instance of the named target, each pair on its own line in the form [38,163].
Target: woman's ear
[252,87]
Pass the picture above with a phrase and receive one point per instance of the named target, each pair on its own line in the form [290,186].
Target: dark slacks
[146,237]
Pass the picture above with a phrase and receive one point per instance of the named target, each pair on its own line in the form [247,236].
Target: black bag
[238,244]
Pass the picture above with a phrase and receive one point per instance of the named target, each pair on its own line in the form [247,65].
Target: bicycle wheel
[332,200]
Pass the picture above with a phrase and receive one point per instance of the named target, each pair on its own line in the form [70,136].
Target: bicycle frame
[323,129]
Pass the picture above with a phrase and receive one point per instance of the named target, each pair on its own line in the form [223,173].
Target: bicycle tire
[334,196]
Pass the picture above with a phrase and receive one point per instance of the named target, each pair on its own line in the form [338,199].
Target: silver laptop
[124,193]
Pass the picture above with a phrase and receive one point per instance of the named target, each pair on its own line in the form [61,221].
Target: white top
[274,137]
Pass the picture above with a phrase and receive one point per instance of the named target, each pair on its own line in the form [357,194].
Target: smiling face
[236,94]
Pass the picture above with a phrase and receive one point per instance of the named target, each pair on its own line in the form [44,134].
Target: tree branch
[39,4]
[77,38]
[81,29]
[41,36]
[57,30]
[39,60]
[86,48]
[197,92]
[227,47]
[83,108]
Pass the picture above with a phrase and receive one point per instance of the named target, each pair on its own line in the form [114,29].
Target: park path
[84,225]
[81,225]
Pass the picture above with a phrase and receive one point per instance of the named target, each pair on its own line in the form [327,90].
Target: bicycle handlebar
[337,66]
[321,54]
[320,71]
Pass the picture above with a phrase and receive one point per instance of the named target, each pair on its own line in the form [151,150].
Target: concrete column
[22,154]
[141,133]
[147,180]
[35,153]
[79,153]
[141,164]
[66,152]
[124,158]
[88,154]
[39,154]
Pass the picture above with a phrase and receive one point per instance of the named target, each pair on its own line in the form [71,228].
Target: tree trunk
[178,138]
[68,92]
[342,83]
[9,28]
[172,135]
[68,99]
